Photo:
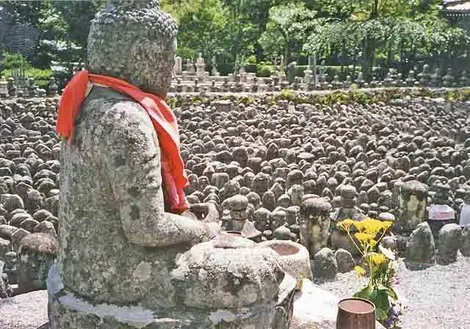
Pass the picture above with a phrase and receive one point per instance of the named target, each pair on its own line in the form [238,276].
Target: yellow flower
[346,224]
[386,225]
[360,271]
[377,258]
[365,238]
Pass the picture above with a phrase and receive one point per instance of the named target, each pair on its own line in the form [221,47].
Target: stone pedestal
[412,207]
[314,224]
[210,296]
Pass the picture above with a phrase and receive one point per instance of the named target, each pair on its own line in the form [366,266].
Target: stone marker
[449,242]
[412,208]
[344,260]
[465,244]
[324,264]
[314,224]
[420,248]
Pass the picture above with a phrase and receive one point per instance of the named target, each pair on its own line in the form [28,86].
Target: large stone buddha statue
[131,255]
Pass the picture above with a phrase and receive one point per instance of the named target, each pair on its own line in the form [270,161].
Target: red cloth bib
[163,119]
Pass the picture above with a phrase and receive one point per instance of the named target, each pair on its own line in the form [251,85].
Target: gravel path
[437,298]
[27,311]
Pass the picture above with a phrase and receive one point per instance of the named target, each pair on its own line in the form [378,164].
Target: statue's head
[135,41]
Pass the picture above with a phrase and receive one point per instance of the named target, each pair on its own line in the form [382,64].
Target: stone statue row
[200,81]
[11,87]
[248,82]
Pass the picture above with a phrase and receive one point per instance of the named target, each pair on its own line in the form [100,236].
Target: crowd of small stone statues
[283,171]
[26,87]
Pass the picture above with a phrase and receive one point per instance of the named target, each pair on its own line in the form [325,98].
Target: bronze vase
[355,313]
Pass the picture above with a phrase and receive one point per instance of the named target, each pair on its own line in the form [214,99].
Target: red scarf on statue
[163,119]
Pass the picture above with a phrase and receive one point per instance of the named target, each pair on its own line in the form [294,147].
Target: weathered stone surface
[420,248]
[314,224]
[282,233]
[207,290]
[344,260]
[412,205]
[5,246]
[36,253]
[5,290]
[465,242]
[324,264]
[449,242]
[294,258]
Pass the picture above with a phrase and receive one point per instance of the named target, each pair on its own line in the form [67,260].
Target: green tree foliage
[287,30]
[76,16]
[202,27]
[346,32]
[387,30]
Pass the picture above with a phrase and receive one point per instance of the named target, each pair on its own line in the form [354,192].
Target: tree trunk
[368,58]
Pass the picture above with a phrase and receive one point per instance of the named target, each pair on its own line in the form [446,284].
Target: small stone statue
[179,86]
[254,86]
[291,72]
[399,80]
[347,210]
[410,81]
[388,79]
[225,86]
[463,80]
[200,67]
[214,72]
[436,78]
[440,213]
[448,78]
[11,87]
[348,82]
[3,88]
[425,76]
[52,88]
[360,80]
[336,83]
[31,88]
[465,211]
[411,205]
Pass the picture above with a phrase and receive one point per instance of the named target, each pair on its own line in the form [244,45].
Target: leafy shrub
[225,68]
[41,77]
[265,71]
[251,59]
[288,94]
[13,61]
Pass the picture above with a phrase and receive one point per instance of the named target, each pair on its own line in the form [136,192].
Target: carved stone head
[135,41]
